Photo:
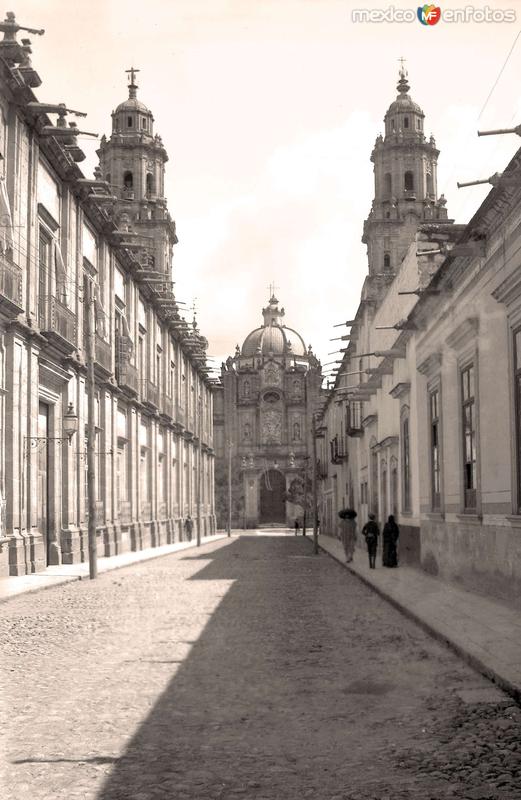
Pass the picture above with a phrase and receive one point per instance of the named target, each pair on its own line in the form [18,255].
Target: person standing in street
[390,535]
[189,526]
[297,526]
[371,531]
[348,531]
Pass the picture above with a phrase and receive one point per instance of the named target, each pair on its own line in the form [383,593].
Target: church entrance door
[272,502]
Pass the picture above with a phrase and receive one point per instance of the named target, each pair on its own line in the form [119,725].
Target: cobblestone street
[247,669]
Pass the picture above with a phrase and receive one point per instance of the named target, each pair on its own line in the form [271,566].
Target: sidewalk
[484,632]
[65,573]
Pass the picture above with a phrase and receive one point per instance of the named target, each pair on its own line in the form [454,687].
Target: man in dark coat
[371,531]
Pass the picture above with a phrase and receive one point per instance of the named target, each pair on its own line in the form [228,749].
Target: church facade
[262,424]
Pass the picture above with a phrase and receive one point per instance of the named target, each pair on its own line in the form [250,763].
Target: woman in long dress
[391,532]
[348,531]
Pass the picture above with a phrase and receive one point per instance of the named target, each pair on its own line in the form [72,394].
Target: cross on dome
[132,85]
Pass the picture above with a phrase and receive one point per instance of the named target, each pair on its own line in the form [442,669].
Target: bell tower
[405,177]
[133,160]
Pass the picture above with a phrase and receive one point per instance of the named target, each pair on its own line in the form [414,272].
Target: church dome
[132,104]
[273,336]
[403,104]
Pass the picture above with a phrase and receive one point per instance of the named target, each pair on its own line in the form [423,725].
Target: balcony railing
[127,375]
[152,394]
[167,406]
[338,450]
[57,322]
[103,355]
[10,287]
[354,419]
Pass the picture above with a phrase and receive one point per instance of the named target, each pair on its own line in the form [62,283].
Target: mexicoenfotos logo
[429,15]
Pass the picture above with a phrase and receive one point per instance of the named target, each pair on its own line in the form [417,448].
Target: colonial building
[69,244]
[262,422]
[427,410]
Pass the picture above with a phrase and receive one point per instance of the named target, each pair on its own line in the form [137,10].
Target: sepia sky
[269,110]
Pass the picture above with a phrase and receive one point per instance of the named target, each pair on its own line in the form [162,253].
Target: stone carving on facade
[272,375]
[271,429]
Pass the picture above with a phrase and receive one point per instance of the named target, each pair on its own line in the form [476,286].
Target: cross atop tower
[403,71]
[272,289]
[132,85]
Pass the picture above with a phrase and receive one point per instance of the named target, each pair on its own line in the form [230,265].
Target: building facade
[262,425]
[428,407]
[71,246]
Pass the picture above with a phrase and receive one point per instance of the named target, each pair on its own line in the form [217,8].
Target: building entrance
[272,497]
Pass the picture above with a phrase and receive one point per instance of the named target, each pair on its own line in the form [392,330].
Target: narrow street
[249,668]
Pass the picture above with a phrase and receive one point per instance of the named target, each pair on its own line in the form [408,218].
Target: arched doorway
[272,502]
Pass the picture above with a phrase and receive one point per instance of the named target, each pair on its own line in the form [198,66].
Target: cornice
[400,389]
[464,333]
[430,364]
[509,290]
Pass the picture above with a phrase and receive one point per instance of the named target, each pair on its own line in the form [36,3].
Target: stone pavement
[249,668]
[64,573]
[483,631]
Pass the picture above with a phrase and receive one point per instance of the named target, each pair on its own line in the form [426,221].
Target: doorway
[43,477]
[272,497]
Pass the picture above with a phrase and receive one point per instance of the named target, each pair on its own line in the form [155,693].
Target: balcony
[338,450]
[127,376]
[103,354]
[58,323]
[152,394]
[354,420]
[167,407]
[10,288]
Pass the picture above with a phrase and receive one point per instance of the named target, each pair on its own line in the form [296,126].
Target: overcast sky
[269,110]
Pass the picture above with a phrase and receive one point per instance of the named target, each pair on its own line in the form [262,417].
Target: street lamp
[70,422]
[70,427]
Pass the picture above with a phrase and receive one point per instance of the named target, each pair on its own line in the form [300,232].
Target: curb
[61,580]
[476,663]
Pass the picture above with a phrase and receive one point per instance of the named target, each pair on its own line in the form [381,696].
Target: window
[149,184]
[406,466]
[418,124]
[296,431]
[129,122]
[469,437]
[393,125]
[434,412]
[430,184]
[406,122]
[387,261]
[246,388]
[517,384]
[44,272]
[388,184]
[128,180]
[144,123]
[408,181]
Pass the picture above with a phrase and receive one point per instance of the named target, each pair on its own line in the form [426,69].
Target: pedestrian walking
[297,526]
[390,535]
[371,531]
[189,526]
[348,531]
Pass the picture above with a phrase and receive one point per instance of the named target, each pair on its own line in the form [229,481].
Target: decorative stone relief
[272,375]
[271,429]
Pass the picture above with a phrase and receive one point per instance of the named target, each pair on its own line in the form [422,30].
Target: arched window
[408,181]
[296,431]
[387,261]
[150,184]
[128,180]
[388,184]
[129,122]
[144,123]
[406,122]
